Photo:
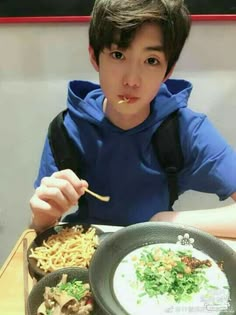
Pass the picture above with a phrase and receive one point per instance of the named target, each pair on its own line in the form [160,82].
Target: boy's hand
[55,196]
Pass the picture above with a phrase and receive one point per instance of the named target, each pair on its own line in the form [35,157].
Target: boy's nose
[132,78]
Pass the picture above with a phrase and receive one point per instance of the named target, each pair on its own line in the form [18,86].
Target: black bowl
[114,248]
[34,270]
[35,297]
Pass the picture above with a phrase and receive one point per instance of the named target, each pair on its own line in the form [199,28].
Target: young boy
[134,46]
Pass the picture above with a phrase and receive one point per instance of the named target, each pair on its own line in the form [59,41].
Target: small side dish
[67,298]
[72,246]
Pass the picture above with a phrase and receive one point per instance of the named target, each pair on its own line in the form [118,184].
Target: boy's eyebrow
[157,48]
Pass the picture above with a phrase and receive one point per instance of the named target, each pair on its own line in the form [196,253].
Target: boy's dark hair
[116,22]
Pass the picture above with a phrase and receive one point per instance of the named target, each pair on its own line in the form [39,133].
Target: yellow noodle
[125,100]
[70,247]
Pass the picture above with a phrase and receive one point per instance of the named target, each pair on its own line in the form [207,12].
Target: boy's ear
[169,73]
[93,58]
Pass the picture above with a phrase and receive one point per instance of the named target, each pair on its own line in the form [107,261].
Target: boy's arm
[220,222]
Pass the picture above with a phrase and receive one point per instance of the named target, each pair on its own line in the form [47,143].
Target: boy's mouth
[127,99]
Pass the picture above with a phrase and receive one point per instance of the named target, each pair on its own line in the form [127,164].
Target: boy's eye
[117,55]
[152,61]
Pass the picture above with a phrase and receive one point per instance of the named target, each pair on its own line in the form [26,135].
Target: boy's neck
[123,121]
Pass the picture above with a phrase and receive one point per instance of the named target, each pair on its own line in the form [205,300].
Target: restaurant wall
[36,62]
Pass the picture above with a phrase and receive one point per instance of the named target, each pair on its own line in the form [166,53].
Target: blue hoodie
[122,164]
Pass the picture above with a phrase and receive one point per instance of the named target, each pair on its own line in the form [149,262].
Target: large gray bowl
[36,295]
[115,247]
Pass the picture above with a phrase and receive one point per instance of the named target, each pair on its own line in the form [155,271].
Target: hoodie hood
[85,101]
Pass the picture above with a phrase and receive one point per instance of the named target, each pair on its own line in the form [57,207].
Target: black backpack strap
[65,154]
[167,146]
[62,147]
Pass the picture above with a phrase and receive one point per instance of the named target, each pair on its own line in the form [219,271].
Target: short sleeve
[210,162]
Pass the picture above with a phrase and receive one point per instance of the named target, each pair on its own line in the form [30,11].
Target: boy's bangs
[122,38]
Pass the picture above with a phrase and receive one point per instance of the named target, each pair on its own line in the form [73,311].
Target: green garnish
[161,271]
[74,288]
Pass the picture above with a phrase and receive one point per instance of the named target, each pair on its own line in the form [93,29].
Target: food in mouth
[171,279]
[125,100]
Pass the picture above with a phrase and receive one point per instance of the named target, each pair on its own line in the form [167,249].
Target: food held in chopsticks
[67,298]
[170,278]
[69,247]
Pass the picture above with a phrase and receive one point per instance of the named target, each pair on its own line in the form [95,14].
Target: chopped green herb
[74,288]
[163,272]
[49,311]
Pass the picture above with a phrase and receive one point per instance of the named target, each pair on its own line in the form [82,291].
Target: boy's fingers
[61,188]
[70,176]
[41,206]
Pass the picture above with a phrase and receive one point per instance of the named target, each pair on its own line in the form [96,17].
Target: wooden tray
[15,281]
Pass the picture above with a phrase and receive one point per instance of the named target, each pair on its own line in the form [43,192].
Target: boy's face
[135,73]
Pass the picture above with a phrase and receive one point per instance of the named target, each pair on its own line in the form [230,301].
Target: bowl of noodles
[65,291]
[67,245]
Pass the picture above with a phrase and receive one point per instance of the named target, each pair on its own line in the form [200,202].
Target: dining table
[15,280]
